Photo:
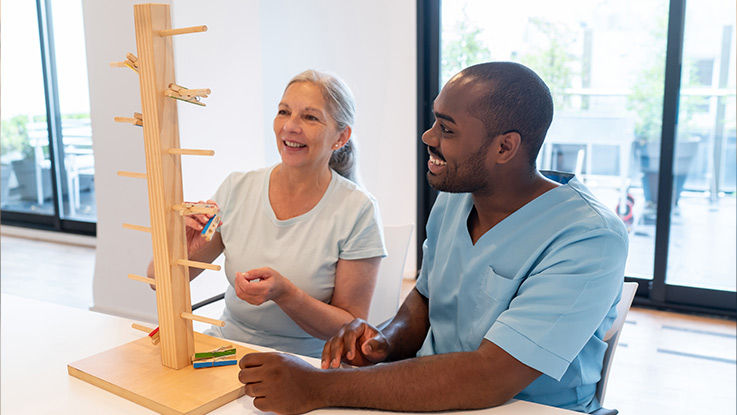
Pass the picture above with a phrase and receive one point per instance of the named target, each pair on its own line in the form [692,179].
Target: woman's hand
[260,285]
[195,223]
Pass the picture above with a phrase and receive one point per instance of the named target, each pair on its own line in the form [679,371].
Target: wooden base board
[134,371]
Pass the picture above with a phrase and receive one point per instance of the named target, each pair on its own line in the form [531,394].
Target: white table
[39,339]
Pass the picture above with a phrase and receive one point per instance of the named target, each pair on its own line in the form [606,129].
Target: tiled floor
[666,363]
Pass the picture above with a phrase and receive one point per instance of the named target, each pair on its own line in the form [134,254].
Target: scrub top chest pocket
[493,294]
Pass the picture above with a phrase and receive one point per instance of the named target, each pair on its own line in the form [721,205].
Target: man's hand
[280,383]
[357,343]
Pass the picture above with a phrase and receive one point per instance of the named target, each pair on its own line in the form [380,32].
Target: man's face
[457,141]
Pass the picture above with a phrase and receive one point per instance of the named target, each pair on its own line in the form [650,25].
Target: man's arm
[486,377]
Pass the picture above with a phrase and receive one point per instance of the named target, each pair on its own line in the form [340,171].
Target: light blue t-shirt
[542,284]
[344,224]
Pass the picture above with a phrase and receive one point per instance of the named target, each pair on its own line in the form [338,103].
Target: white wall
[251,49]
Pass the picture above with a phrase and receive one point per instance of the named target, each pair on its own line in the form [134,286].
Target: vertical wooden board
[161,132]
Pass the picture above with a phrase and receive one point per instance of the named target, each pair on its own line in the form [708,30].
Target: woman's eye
[282,112]
[312,118]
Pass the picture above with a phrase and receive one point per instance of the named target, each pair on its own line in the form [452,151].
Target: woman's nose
[292,124]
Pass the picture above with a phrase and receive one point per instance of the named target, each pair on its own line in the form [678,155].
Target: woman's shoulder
[239,179]
[349,191]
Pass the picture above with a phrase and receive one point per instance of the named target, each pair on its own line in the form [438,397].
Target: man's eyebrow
[444,117]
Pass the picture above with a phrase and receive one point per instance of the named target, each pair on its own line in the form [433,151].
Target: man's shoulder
[589,213]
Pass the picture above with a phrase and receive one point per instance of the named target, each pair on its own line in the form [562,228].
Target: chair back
[612,336]
[385,302]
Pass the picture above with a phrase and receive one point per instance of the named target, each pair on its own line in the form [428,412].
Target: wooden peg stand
[161,377]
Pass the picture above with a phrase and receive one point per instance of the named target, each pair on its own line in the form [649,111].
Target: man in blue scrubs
[520,276]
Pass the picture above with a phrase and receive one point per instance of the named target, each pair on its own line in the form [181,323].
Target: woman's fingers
[193,223]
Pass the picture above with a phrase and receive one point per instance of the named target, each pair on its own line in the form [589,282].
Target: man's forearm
[408,329]
[432,383]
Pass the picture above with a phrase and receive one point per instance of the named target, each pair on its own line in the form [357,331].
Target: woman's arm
[198,248]
[205,253]
[354,287]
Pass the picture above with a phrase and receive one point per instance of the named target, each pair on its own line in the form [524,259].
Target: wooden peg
[137,228]
[132,174]
[191,152]
[141,278]
[137,119]
[142,328]
[214,322]
[118,64]
[183,30]
[195,264]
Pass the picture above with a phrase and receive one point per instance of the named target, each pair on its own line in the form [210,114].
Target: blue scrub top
[542,284]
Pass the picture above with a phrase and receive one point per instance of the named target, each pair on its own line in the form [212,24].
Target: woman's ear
[343,138]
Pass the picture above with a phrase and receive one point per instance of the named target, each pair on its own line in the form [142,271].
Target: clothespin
[131,61]
[139,119]
[187,95]
[222,356]
[209,230]
[154,335]
[190,208]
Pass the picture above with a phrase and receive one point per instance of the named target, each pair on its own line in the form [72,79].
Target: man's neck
[506,196]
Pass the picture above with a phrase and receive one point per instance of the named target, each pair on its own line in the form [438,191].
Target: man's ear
[507,146]
[343,138]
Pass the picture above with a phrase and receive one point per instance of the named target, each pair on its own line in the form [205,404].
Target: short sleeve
[563,302]
[222,195]
[366,239]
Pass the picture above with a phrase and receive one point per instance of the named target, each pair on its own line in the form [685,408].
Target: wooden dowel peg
[195,264]
[132,174]
[142,328]
[137,227]
[141,278]
[118,64]
[131,57]
[183,30]
[214,322]
[191,152]
[137,119]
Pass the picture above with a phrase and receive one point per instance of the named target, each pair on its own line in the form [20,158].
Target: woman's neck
[302,180]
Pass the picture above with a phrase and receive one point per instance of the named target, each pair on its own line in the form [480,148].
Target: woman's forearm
[312,315]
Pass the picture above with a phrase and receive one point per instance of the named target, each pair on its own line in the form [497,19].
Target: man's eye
[444,130]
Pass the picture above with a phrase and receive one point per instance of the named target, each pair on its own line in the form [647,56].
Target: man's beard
[469,177]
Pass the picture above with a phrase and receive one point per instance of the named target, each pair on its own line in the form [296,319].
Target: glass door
[702,243]
[644,95]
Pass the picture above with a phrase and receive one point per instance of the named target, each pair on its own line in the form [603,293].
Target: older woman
[302,241]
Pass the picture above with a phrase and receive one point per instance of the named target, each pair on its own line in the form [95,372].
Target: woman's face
[306,134]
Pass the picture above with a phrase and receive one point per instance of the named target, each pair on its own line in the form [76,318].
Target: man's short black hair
[517,100]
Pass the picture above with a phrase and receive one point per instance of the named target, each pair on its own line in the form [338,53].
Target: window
[623,102]
[47,160]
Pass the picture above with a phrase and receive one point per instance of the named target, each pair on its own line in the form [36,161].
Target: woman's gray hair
[342,109]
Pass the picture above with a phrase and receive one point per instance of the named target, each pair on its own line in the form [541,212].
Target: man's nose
[429,138]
